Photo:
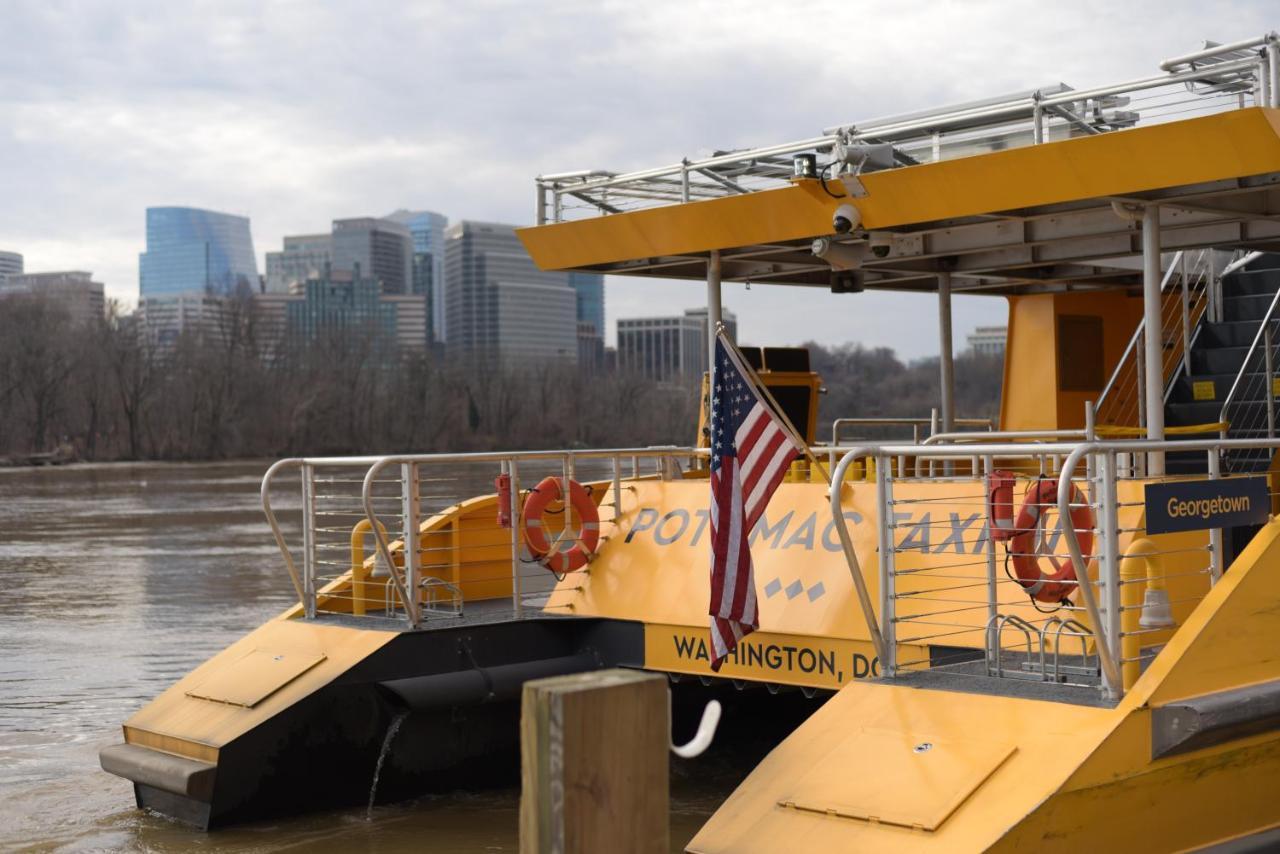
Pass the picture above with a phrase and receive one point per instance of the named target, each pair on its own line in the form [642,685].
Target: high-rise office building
[10,264]
[304,257]
[380,249]
[427,228]
[75,291]
[590,295]
[193,252]
[499,307]
[665,347]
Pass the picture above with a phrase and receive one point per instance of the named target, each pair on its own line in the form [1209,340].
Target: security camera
[841,256]
[845,219]
[881,243]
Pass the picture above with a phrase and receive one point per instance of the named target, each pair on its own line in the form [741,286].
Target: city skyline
[223,130]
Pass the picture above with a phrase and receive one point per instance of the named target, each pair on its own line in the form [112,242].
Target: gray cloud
[296,113]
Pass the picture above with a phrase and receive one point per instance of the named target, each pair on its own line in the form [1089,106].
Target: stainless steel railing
[1190,278]
[1250,406]
[421,500]
[966,602]
[1215,79]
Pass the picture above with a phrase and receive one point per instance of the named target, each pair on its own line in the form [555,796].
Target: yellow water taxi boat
[1055,632]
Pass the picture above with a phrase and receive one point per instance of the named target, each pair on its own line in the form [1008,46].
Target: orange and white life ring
[572,548]
[1060,584]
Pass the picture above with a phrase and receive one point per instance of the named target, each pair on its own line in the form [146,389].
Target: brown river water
[119,579]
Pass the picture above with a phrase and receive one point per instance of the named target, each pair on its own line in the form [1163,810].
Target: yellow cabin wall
[1031,398]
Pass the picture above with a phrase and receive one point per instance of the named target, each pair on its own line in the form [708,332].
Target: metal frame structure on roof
[1079,244]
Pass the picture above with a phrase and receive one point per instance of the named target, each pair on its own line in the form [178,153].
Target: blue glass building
[590,289]
[192,251]
[427,228]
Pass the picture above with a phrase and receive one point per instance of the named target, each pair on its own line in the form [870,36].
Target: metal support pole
[308,541]
[684,181]
[1037,120]
[410,510]
[517,594]
[1269,389]
[540,213]
[1263,74]
[1215,534]
[1273,65]
[1154,337]
[993,590]
[713,310]
[1109,563]
[888,604]
[946,362]
[1186,317]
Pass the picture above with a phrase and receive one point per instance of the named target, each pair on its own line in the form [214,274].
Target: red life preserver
[1000,504]
[571,550]
[1060,584]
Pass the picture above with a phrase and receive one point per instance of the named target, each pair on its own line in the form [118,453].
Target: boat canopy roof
[1037,191]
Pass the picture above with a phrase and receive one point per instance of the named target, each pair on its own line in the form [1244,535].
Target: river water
[119,579]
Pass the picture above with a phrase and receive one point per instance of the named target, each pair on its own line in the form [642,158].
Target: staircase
[1219,350]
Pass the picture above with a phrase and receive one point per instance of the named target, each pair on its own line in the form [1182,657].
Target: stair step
[1217,360]
[1252,386]
[1252,308]
[1185,414]
[1251,283]
[1227,334]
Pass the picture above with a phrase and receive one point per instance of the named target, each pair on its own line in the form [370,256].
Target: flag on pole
[751,451]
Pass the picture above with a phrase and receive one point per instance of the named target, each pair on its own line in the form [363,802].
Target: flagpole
[746,368]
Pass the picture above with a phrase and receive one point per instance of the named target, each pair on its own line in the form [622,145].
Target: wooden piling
[594,763]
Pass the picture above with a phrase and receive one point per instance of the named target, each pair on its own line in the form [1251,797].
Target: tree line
[103,392]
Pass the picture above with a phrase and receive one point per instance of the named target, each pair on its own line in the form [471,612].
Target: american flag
[750,453]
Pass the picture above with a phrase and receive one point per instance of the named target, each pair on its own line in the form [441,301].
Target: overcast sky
[297,113]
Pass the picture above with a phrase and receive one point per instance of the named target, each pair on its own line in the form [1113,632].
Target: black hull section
[454,693]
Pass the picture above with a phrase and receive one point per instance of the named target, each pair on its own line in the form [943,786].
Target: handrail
[1110,667]
[379,463]
[939,438]
[265,492]
[1136,337]
[1217,50]
[1248,356]
[1073,451]
[877,421]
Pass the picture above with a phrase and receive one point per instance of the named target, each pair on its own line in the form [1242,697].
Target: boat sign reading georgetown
[1197,505]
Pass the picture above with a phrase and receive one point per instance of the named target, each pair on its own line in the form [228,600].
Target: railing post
[1186,317]
[517,597]
[1108,563]
[993,589]
[410,508]
[1273,64]
[1269,388]
[540,213]
[684,187]
[888,604]
[1037,121]
[308,541]
[1215,534]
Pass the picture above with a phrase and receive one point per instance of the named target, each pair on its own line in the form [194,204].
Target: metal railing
[446,505]
[1250,406]
[968,603]
[1215,79]
[921,428]
[1188,292]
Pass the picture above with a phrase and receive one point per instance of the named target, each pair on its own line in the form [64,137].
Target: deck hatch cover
[253,677]
[911,780]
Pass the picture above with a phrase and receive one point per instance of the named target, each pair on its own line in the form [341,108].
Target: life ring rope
[573,547]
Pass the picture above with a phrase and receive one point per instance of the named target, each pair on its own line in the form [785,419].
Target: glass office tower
[192,251]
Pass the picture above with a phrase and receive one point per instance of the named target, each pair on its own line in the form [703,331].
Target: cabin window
[1081,366]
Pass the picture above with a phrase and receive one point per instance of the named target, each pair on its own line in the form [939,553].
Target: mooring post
[593,749]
